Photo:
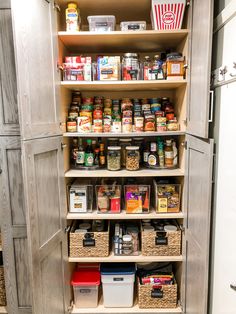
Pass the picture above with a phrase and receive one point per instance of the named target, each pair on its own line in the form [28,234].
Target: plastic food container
[85,284]
[101,23]
[108,198]
[81,198]
[133,26]
[167,14]
[113,158]
[118,284]
[167,197]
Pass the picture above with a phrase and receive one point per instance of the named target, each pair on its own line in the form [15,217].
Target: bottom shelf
[132,310]
[3,310]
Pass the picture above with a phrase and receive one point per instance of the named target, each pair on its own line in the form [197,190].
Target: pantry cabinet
[40,46]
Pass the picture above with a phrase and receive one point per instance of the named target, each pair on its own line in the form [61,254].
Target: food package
[137,199]
[77,68]
[108,68]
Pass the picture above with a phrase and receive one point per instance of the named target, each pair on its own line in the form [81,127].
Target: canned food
[127,124]
[138,124]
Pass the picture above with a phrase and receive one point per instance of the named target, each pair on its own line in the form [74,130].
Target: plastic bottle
[161,153]
[169,154]
[81,153]
[73,19]
[175,150]
[74,151]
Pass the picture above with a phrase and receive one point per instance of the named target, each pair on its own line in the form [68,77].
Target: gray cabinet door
[13,227]
[200,67]
[46,222]
[9,120]
[198,185]
[35,38]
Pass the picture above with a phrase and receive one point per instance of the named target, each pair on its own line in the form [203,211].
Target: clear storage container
[132,158]
[81,197]
[133,26]
[101,23]
[167,197]
[85,284]
[137,199]
[113,158]
[118,284]
[108,198]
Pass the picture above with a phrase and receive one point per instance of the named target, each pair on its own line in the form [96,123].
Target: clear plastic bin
[108,198]
[118,284]
[133,26]
[78,72]
[85,284]
[137,199]
[101,23]
[81,197]
[167,197]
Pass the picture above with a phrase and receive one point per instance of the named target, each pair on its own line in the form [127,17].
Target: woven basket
[164,297]
[90,244]
[161,243]
[2,288]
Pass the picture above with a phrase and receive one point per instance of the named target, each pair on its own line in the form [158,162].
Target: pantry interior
[46,145]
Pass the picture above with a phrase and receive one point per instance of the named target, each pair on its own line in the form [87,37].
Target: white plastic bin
[101,23]
[85,284]
[118,284]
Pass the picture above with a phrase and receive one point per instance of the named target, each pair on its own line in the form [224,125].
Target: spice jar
[130,67]
[71,125]
[113,158]
[132,158]
[124,142]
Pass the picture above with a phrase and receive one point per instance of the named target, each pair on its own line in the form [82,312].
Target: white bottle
[175,150]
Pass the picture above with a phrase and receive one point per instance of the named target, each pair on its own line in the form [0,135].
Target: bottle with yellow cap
[73,20]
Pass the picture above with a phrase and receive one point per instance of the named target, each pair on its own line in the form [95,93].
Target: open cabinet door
[197,223]
[200,67]
[38,79]
[46,222]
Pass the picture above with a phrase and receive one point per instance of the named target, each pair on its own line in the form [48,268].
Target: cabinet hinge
[67,229]
[63,146]
[70,308]
[188,2]
[182,228]
[184,144]
[213,168]
[186,65]
[57,7]
[185,121]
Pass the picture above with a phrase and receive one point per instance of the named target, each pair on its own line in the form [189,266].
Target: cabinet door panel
[200,67]
[45,205]
[37,74]
[13,227]
[197,223]
[9,120]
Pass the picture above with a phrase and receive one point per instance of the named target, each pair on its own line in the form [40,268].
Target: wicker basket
[2,288]
[90,244]
[161,243]
[164,297]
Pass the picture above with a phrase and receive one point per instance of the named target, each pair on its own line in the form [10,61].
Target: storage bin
[89,244]
[154,296]
[2,288]
[161,243]
[81,197]
[167,14]
[108,198]
[101,23]
[137,199]
[167,197]
[118,284]
[126,239]
[85,284]
[133,26]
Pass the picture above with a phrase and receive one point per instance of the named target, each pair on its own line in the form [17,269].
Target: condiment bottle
[74,151]
[169,154]
[157,71]
[146,153]
[161,154]
[81,153]
[73,20]
[153,157]
[102,158]
[96,157]
[175,151]
[146,68]
[89,157]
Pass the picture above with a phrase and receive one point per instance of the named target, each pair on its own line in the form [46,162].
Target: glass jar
[113,158]
[71,125]
[130,67]
[173,125]
[124,142]
[113,141]
[132,158]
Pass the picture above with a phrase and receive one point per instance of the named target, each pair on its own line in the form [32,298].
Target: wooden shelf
[104,173]
[117,41]
[131,310]
[123,85]
[126,259]
[133,134]
[3,310]
[151,215]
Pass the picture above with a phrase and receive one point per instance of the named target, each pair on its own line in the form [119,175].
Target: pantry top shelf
[123,85]
[104,173]
[129,135]
[117,41]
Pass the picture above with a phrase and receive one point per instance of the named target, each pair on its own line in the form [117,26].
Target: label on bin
[134,26]
[118,279]
[84,290]
[101,24]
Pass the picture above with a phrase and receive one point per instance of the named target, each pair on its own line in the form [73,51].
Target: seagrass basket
[159,297]
[161,243]
[2,288]
[89,244]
